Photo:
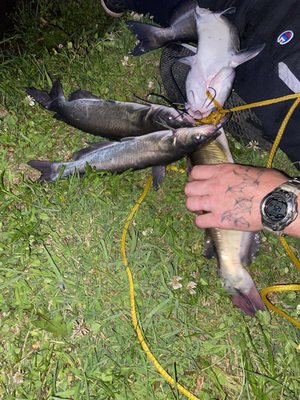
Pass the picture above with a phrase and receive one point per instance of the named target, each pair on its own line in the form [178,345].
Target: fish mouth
[206,133]
[224,119]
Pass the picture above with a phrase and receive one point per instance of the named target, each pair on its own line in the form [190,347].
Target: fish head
[190,138]
[205,97]
[173,117]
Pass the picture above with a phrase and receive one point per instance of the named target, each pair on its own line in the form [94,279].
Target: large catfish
[214,62]
[234,249]
[107,118]
[154,149]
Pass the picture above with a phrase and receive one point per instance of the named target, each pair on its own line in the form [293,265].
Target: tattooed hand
[228,196]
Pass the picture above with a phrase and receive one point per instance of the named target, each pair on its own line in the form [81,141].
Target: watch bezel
[290,200]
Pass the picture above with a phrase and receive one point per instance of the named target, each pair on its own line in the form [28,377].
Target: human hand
[228,196]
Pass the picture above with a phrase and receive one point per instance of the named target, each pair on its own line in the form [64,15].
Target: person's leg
[160,10]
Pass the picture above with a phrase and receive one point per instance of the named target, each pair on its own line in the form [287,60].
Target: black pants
[159,9]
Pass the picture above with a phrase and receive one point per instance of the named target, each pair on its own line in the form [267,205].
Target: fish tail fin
[149,37]
[247,298]
[48,169]
[45,99]
[250,302]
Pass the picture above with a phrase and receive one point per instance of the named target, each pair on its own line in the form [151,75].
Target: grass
[65,325]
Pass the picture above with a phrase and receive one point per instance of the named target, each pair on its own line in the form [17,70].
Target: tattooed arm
[228,196]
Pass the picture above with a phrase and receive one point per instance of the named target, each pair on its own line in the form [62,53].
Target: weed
[65,325]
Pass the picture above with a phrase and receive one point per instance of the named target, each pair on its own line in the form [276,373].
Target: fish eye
[198,138]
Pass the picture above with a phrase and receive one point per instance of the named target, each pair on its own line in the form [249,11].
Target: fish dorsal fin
[245,55]
[98,145]
[82,94]
[92,147]
[128,138]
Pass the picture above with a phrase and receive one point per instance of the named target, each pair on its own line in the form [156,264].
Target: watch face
[276,208]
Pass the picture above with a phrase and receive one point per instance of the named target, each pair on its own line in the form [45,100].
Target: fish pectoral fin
[250,242]
[245,55]
[158,173]
[209,246]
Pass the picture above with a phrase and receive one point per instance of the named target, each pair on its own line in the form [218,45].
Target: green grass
[65,325]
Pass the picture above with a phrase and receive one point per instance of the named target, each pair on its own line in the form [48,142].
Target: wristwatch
[279,207]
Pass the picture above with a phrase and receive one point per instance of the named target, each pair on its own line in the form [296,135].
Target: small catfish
[213,65]
[109,119]
[182,28]
[234,249]
[153,149]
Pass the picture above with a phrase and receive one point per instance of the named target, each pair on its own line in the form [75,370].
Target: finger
[207,220]
[198,203]
[201,172]
[196,188]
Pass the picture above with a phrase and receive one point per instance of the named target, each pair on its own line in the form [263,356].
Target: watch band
[292,185]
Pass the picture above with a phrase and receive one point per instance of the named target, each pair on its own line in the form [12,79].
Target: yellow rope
[134,318]
[282,130]
[216,116]
[279,288]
